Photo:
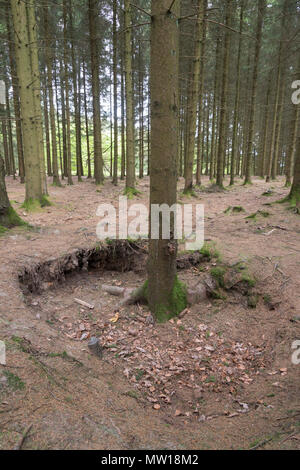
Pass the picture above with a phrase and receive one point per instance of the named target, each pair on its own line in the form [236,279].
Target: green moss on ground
[238,209]
[11,219]
[188,193]
[210,251]
[131,192]
[218,274]
[248,279]
[253,300]
[254,216]
[33,205]
[13,381]
[176,305]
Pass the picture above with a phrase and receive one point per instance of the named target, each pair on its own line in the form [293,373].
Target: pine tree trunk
[277,92]
[237,98]
[200,98]
[260,19]
[193,98]
[295,190]
[215,112]
[31,139]
[47,131]
[98,161]
[49,64]
[63,121]
[86,123]
[67,95]
[16,99]
[165,294]
[123,145]
[292,144]
[75,94]
[130,154]
[224,99]
[115,79]
[36,88]
[278,129]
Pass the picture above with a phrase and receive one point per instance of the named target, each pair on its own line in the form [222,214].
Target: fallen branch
[262,443]
[24,437]
[84,304]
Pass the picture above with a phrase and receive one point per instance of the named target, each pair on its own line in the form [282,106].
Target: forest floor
[220,377]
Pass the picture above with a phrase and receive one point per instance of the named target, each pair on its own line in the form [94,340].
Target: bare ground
[220,377]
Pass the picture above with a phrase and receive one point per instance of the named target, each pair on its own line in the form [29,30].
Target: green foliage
[248,279]
[210,252]
[13,381]
[34,205]
[176,304]
[11,219]
[254,216]
[253,300]
[131,192]
[218,274]
[238,209]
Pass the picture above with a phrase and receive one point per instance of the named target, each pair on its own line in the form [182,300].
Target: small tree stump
[95,347]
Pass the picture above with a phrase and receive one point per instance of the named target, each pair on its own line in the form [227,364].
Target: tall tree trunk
[292,145]
[28,110]
[75,95]
[200,98]
[16,98]
[63,121]
[215,112]
[47,131]
[274,171]
[224,98]
[260,19]
[237,99]
[193,98]
[98,161]
[58,123]
[67,93]
[115,78]
[277,91]
[123,145]
[49,63]
[294,195]
[35,70]
[86,123]
[163,287]
[130,154]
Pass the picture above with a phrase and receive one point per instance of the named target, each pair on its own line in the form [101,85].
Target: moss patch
[210,252]
[238,209]
[13,381]
[254,216]
[33,205]
[11,219]
[253,300]
[218,274]
[176,305]
[131,192]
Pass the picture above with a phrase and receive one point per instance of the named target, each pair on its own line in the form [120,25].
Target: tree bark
[165,294]
[98,161]
[130,154]
[224,98]
[28,112]
[260,19]
[193,98]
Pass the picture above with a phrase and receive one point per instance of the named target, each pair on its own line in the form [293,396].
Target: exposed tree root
[115,255]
